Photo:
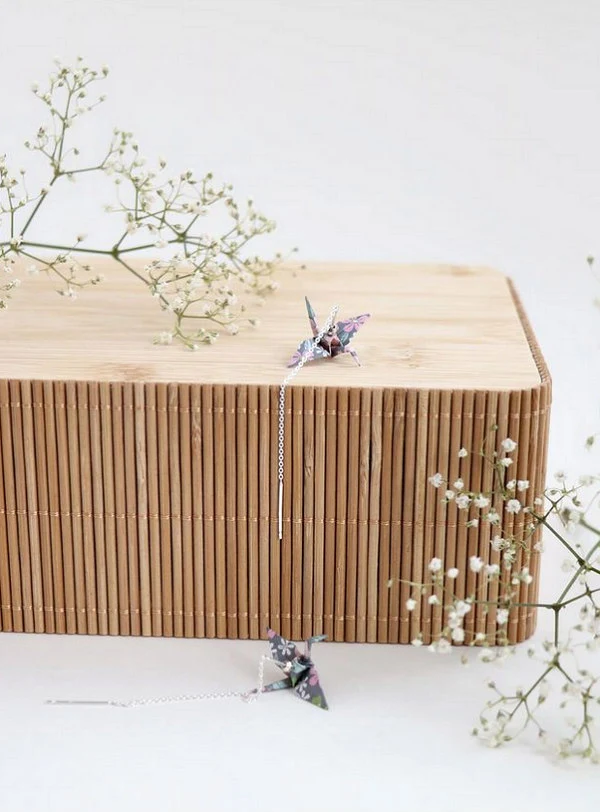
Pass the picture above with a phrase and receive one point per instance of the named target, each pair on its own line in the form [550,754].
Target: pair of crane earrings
[335,341]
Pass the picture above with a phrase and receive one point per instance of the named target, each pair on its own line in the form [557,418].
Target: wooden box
[138,483]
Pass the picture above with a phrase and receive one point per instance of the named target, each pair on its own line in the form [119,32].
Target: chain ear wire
[306,356]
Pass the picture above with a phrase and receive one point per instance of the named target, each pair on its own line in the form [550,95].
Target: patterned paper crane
[335,341]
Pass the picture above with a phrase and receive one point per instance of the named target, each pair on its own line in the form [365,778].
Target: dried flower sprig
[568,659]
[200,278]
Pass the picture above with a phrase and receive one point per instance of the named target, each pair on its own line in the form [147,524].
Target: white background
[465,131]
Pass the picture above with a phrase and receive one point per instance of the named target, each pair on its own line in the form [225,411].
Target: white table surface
[436,131]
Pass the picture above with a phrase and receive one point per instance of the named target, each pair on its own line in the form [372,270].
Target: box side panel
[150,509]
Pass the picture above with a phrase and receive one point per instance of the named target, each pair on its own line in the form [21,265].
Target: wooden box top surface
[431,327]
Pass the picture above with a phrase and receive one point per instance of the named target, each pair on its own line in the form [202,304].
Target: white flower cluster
[509,714]
[201,277]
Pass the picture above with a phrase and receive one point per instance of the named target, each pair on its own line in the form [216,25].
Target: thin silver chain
[246,696]
[307,355]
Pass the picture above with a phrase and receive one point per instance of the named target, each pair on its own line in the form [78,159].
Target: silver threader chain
[254,693]
[246,696]
[307,355]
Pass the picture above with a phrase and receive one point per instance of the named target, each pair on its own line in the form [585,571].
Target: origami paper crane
[334,342]
[299,669]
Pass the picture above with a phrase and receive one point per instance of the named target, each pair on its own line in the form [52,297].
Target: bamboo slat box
[138,483]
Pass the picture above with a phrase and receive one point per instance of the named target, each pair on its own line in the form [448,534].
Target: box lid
[431,326]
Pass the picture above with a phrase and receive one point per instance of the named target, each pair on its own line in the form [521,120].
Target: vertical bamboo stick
[51,607]
[60,520]
[98,507]
[353,476]
[374,514]
[383,620]
[241,509]
[341,518]
[319,511]
[208,506]
[452,471]
[10,498]
[296,484]
[230,512]
[74,602]
[120,505]
[31,571]
[408,513]
[174,470]
[6,597]
[462,531]
[363,515]
[429,508]
[539,460]
[69,453]
[188,526]
[396,519]
[535,487]
[142,478]
[487,484]
[508,520]
[520,471]
[152,525]
[495,557]
[419,565]
[276,544]
[198,540]
[285,545]
[266,485]
[252,477]
[109,510]
[308,511]
[472,474]
[440,509]
[135,524]
[526,497]
[87,507]
[164,498]
[222,552]
[330,509]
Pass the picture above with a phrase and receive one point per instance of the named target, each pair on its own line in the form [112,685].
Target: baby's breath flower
[526,576]
[481,501]
[452,573]
[437,480]
[522,485]
[463,453]
[508,445]
[435,565]
[410,604]
[459,485]
[502,617]
[513,506]
[166,209]
[463,500]
[493,517]
[506,462]
[441,646]
[449,495]
[462,608]
[475,563]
